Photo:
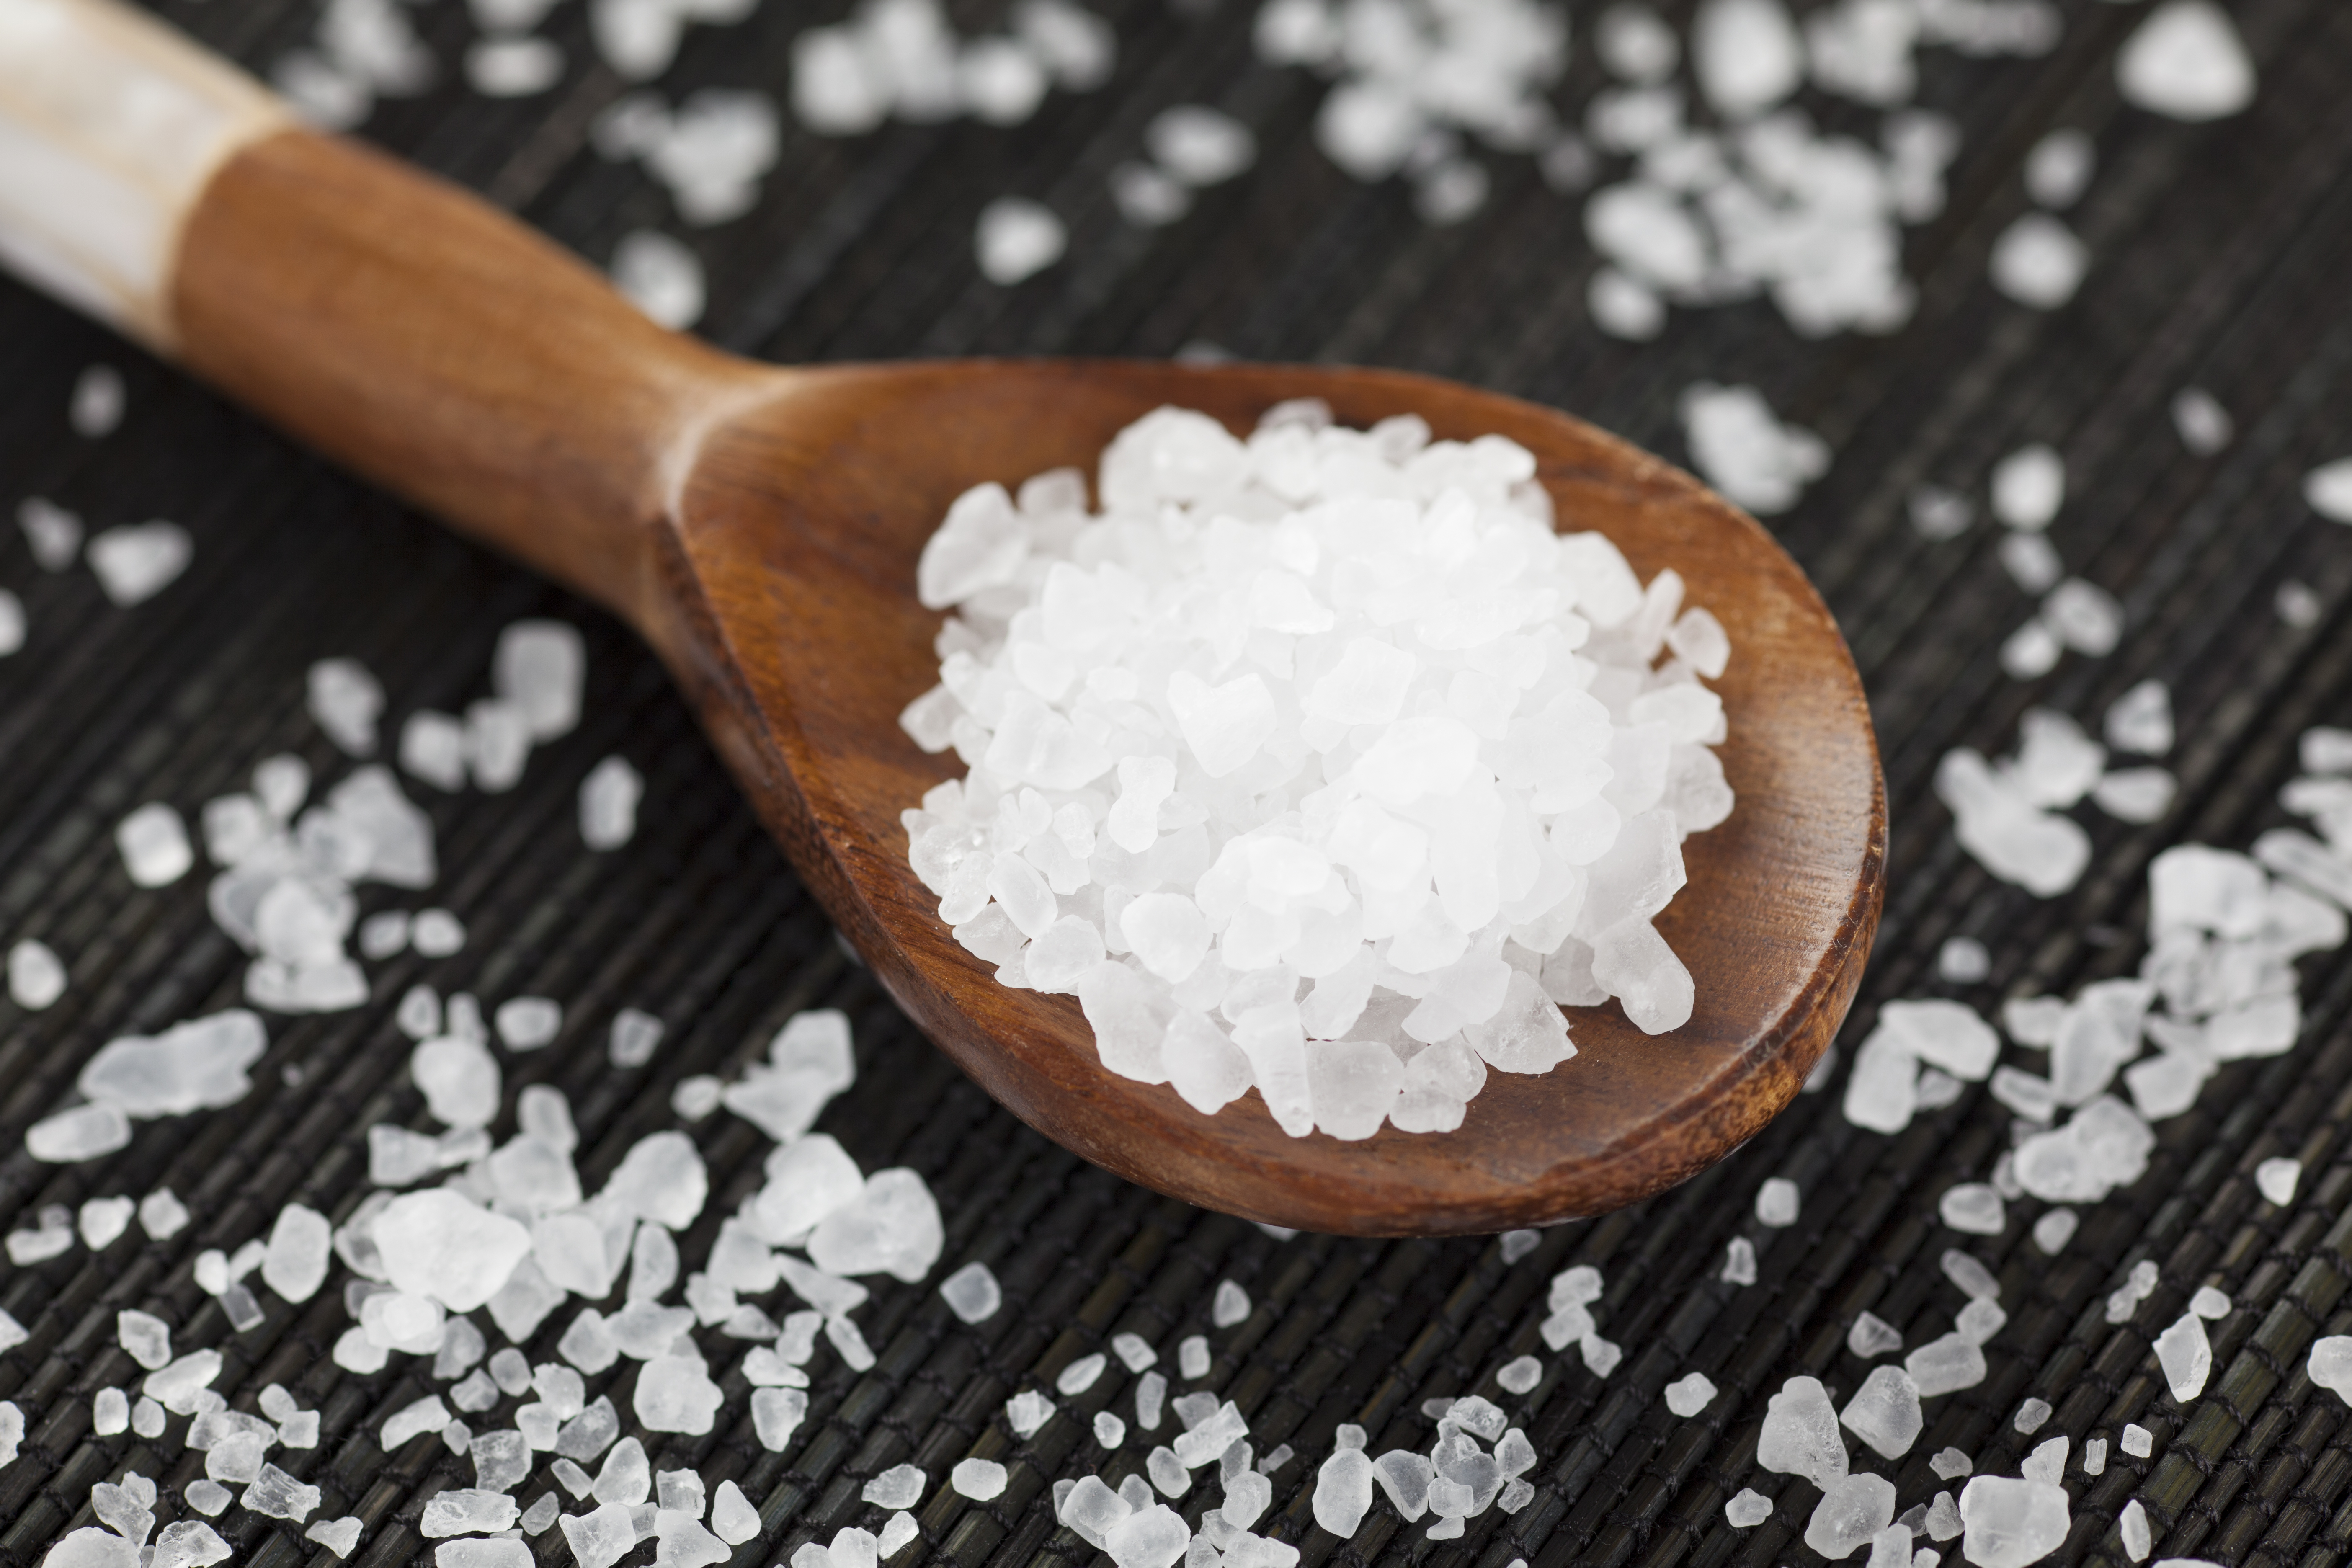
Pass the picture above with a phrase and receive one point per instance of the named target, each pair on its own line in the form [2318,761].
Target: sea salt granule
[1192,1356]
[513,68]
[1016,239]
[53,534]
[1231,1306]
[2186,1356]
[2009,1523]
[527,1023]
[1027,1412]
[300,1251]
[1853,1510]
[95,409]
[84,1132]
[2277,1178]
[661,276]
[1800,1435]
[2187,62]
[1080,1375]
[1743,449]
[1200,146]
[983,1481]
[1777,1202]
[2028,487]
[1973,1207]
[1746,1509]
[2059,167]
[2298,605]
[345,701]
[100,1220]
[1963,961]
[1134,1352]
[341,1536]
[2037,262]
[1690,1394]
[2328,490]
[36,976]
[2053,1230]
[2204,427]
[154,845]
[608,803]
[162,1215]
[137,561]
[1884,1411]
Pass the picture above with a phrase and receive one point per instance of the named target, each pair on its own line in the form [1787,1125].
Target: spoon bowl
[807,563]
[759,527]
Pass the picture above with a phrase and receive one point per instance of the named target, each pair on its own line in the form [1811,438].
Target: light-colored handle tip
[110,127]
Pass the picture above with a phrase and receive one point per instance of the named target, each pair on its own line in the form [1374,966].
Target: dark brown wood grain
[759,527]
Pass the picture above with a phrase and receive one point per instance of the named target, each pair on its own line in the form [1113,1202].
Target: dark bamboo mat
[2221,258]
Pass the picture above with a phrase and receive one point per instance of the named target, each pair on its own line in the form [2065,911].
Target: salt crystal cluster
[1191,146]
[2007,813]
[362,51]
[901,59]
[1326,709]
[1743,449]
[710,152]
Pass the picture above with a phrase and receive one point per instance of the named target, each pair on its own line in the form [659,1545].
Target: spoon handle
[383,316]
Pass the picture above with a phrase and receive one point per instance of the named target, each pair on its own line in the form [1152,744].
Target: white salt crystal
[1198,145]
[2059,167]
[2141,720]
[2204,426]
[96,406]
[527,1023]
[341,1536]
[1231,1306]
[1963,961]
[1777,1202]
[136,562]
[2037,262]
[154,845]
[2185,1356]
[36,976]
[1134,1353]
[1974,1207]
[2011,1523]
[2187,62]
[2084,617]
[608,803]
[300,1252]
[2277,1178]
[983,1481]
[1080,1374]
[1690,1394]
[1739,445]
[1623,306]
[1343,1491]
[2028,487]
[1146,196]
[1884,1413]
[207,1497]
[1800,1435]
[109,1412]
[100,1220]
[1519,1376]
[513,68]
[1027,1412]
[2053,1230]
[1853,1510]
[1745,55]
[459,1080]
[53,534]
[345,701]
[1939,513]
[2328,490]
[1192,1356]
[433,748]
[1017,239]
[1746,1509]
[83,1133]
[441,1244]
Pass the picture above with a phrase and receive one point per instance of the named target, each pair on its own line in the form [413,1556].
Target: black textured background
[2223,259]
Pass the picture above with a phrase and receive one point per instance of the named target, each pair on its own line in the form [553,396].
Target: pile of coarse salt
[1324,706]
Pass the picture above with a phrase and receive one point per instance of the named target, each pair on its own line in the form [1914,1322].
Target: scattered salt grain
[1027,1412]
[527,1023]
[1192,1356]
[732,1518]
[2187,61]
[1080,1375]
[1687,1395]
[2053,1230]
[513,68]
[95,409]
[2185,1356]
[154,845]
[1739,1261]
[100,1220]
[341,1536]
[2204,427]
[1963,961]
[1200,146]
[608,803]
[2059,168]
[1519,1376]
[1973,1207]
[661,276]
[136,562]
[983,1481]
[2277,1178]
[1231,1305]
[345,701]
[1017,239]
[1134,1353]
[1777,1202]
[84,1132]
[1871,1335]
[2037,262]
[1884,1411]
[2210,1302]
[109,1412]
[1746,1509]
[1743,449]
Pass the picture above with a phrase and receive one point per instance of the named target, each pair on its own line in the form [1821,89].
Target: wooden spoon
[759,527]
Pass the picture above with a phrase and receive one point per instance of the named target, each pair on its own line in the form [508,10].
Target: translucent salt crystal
[1134,1352]
[981,1481]
[540,666]
[463,1511]
[207,1497]
[502,1459]
[1151,1390]
[300,1247]
[278,1495]
[1200,146]
[608,803]
[527,1023]
[1017,239]
[433,748]
[661,1179]
[1231,1306]
[1343,1491]
[2185,1356]
[1027,1412]
[2011,1523]
[1884,1411]
[2209,1302]
[154,845]
[340,1536]
[90,1547]
[600,1538]
[109,1412]
[2028,487]
[732,1518]
[144,1338]
[136,562]
[100,1220]
[459,1080]
[1973,1207]
[1853,1510]
[1777,1201]
[1979,1320]
[441,1244]
[893,1227]
[2187,62]
[1746,1509]
[775,1414]
[436,933]
[1519,1376]
[539,1516]
[36,976]
[345,701]
[2277,1178]
[2037,262]
[1745,55]
[1947,1364]
[147,1418]
[1799,1435]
